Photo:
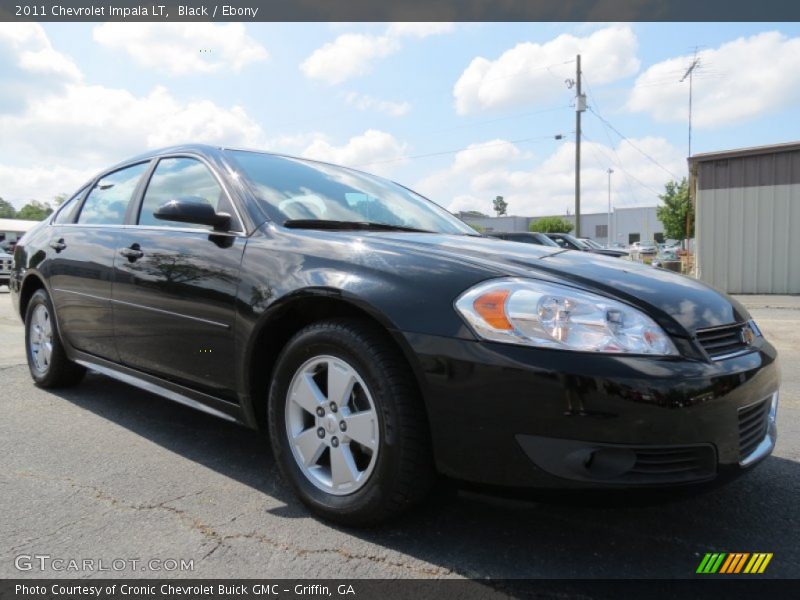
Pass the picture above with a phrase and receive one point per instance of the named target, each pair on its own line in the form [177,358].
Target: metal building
[628,224]
[747,227]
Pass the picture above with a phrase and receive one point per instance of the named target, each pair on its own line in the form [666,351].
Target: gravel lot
[106,471]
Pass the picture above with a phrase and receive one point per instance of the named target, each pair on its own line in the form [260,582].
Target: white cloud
[31,66]
[373,151]
[367,102]
[181,48]
[355,54]
[741,79]
[546,187]
[58,129]
[89,124]
[530,73]
[348,56]
[22,184]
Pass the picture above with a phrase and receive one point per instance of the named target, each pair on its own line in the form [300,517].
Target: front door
[175,284]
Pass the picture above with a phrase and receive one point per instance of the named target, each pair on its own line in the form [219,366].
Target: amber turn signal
[491,306]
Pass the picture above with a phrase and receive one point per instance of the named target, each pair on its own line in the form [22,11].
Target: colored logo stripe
[711,563]
[734,562]
[758,563]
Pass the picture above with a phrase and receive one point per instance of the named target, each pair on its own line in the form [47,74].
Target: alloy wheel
[41,338]
[332,425]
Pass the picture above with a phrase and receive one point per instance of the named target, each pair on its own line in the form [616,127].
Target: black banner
[401,10]
[403,589]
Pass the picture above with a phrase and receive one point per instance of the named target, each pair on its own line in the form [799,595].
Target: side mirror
[195,210]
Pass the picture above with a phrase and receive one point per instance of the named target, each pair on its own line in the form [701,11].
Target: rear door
[83,243]
[175,284]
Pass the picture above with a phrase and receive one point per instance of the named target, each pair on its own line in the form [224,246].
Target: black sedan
[570,242]
[380,341]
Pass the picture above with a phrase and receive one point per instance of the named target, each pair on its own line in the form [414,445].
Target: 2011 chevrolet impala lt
[380,341]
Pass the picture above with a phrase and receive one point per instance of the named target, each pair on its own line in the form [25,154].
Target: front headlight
[547,315]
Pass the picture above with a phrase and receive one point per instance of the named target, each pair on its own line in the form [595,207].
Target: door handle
[58,245]
[132,253]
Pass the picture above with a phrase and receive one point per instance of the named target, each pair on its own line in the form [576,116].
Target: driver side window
[181,178]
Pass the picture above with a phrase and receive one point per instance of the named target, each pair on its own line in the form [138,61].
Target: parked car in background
[570,242]
[663,256]
[380,340]
[525,237]
[645,248]
[598,246]
[6,262]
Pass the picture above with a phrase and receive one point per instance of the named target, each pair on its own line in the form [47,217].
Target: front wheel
[47,361]
[347,425]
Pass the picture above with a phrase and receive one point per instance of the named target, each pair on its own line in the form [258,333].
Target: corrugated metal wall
[748,223]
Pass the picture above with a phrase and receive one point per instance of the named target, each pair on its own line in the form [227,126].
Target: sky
[461,112]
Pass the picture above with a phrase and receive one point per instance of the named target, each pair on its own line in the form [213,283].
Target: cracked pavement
[106,471]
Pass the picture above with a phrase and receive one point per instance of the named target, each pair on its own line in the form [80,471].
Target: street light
[608,232]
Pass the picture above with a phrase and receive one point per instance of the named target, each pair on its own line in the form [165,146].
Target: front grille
[753,423]
[672,464]
[721,341]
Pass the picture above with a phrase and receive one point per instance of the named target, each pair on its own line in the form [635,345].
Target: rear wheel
[47,361]
[347,425]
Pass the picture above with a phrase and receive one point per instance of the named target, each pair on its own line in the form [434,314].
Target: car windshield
[574,240]
[302,192]
[592,243]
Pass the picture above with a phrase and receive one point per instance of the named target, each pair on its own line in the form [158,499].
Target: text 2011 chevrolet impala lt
[380,340]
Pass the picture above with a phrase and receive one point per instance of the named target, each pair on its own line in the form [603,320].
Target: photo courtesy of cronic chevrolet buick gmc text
[380,341]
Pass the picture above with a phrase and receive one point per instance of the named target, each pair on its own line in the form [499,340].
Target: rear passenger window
[67,210]
[185,179]
[109,198]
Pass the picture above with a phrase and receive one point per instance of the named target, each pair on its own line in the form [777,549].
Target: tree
[58,199]
[7,210]
[500,206]
[34,211]
[551,225]
[677,210]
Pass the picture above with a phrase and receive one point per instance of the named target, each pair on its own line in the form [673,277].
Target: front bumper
[526,417]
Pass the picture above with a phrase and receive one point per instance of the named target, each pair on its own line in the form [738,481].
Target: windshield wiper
[348,225]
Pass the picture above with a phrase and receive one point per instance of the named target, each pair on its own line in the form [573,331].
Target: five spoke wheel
[332,425]
[41,338]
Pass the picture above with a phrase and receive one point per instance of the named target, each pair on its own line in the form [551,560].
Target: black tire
[403,474]
[60,371]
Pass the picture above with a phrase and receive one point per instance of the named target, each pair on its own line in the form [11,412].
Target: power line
[464,149]
[618,164]
[612,146]
[429,93]
[639,150]
[498,119]
[606,160]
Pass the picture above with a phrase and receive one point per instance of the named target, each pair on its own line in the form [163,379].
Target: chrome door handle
[132,253]
[58,245]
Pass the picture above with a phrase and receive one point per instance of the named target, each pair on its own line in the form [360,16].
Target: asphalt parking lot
[105,471]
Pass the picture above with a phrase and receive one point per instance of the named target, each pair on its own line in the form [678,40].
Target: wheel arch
[33,281]
[288,316]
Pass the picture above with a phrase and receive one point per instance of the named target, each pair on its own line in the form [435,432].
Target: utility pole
[580,106]
[690,74]
[608,228]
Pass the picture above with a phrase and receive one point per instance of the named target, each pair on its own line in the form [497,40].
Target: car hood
[669,297]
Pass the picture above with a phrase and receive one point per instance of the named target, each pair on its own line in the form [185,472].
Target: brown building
[747,229]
